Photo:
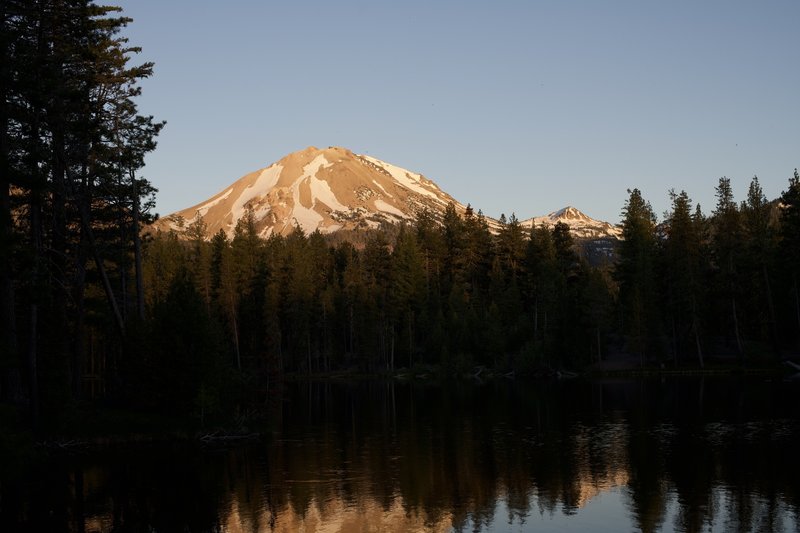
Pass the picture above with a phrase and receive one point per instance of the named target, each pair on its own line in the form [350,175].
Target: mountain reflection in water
[688,455]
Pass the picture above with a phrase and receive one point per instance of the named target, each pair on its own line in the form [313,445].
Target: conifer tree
[542,277]
[477,251]
[758,253]
[9,364]
[71,147]
[726,242]
[597,307]
[454,234]
[511,247]
[790,242]
[635,273]
[378,274]
[408,288]
[564,244]
[434,249]
[683,273]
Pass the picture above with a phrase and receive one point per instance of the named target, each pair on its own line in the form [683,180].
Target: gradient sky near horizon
[512,106]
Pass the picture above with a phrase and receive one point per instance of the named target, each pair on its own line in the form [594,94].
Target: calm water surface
[655,455]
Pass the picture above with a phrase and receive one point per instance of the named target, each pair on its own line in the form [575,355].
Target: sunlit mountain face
[319,189]
[334,189]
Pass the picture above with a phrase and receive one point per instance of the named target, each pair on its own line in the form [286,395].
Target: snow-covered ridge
[581,225]
[214,201]
[409,179]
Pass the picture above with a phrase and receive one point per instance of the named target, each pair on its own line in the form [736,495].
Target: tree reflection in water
[690,455]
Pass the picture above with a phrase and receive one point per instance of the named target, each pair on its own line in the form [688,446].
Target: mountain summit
[314,189]
[580,225]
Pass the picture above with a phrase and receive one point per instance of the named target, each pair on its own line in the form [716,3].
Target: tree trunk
[123,288]
[57,258]
[101,269]
[308,349]
[674,342]
[352,328]
[391,350]
[796,298]
[699,348]
[739,349]
[236,336]
[33,364]
[137,253]
[411,340]
[8,332]
[325,362]
[599,348]
[773,327]
[697,334]
[78,336]
[33,377]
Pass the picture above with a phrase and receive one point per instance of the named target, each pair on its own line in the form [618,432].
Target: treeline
[447,295]
[71,201]
[699,285]
[89,311]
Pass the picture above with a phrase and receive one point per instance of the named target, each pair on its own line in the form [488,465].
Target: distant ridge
[581,225]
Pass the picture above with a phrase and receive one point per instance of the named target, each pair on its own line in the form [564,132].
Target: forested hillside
[95,308]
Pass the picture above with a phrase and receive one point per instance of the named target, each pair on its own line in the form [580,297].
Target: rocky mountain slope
[333,189]
[328,190]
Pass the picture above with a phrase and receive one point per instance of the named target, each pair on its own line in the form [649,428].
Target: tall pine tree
[635,272]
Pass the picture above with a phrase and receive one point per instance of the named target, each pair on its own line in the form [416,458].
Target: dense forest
[451,296]
[93,307]
[72,202]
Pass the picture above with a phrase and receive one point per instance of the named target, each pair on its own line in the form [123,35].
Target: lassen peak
[318,189]
[332,189]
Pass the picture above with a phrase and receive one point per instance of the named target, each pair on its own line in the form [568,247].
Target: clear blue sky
[522,107]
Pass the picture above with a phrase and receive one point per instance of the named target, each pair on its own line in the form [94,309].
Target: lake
[678,454]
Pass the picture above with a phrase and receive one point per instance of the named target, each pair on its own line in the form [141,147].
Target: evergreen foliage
[636,274]
[90,310]
[452,295]
[71,200]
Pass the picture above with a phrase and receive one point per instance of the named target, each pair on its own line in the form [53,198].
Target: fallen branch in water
[63,445]
[792,364]
[216,436]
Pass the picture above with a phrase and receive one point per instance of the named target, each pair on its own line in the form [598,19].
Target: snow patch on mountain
[303,216]
[266,180]
[381,188]
[386,208]
[208,205]
[410,180]
[321,192]
[314,166]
